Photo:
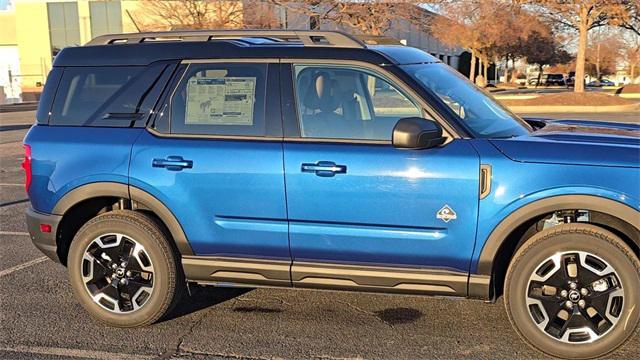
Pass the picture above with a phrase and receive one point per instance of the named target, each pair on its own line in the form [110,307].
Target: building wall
[9,58]
[32,35]
[26,46]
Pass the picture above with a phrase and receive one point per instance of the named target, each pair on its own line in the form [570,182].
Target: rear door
[214,158]
[357,203]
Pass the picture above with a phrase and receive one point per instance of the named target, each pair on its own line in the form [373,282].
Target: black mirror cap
[417,133]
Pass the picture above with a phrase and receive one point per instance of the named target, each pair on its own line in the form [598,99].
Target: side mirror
[417,133]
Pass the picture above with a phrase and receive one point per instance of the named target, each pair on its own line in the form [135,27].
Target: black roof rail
[306,37]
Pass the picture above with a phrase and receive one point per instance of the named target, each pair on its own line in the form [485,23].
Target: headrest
[323,93]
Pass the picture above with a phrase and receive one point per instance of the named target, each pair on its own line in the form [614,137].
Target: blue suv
[315,160]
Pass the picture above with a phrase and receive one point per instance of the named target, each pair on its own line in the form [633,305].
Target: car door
[361,212]
[213,157]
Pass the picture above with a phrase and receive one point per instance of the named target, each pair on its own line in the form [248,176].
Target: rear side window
[113,96]
[83,91]
[220,99]
[48,93]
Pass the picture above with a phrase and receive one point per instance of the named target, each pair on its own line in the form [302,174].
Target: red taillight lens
[26,165]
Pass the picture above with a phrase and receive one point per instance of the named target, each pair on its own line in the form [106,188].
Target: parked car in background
[548,80]
[570,80]
[601,83]
[310,159]
[555,80]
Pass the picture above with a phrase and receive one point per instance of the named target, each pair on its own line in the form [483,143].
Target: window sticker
[220,101]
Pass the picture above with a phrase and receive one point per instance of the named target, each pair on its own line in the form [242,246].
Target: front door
[361,211]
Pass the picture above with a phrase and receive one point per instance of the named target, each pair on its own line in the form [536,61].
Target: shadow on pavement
[203,297]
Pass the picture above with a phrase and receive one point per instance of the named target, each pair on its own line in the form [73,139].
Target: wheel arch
[89,200]
[506,237]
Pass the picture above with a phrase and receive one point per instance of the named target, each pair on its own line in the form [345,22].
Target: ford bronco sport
[315,160]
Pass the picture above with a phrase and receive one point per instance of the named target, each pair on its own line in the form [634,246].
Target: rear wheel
[573,291]
[123,269]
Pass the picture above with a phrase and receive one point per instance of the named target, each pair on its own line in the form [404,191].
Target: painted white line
[15,233]
[10,184]
[22,266]
[77,353]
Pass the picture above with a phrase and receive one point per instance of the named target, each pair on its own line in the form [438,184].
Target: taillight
[26,165]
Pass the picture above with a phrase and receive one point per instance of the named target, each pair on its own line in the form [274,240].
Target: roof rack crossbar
[306,37]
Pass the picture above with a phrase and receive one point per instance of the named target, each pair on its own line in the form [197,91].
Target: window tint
[48,93]
[220,99]
[84,92]
[342,102]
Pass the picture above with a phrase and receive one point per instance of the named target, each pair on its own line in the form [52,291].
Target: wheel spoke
[126,248]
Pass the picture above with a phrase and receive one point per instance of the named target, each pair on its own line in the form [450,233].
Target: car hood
[576,142]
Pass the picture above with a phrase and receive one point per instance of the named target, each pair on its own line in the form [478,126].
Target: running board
[224,271]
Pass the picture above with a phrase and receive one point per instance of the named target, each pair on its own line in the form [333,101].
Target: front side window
[220,99]
[342,102]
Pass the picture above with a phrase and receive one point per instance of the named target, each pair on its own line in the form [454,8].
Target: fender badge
[446,214]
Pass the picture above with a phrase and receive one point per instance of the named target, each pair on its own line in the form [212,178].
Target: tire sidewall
[532,257]
[162,286]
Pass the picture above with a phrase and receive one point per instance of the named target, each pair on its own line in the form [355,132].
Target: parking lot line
[10,184]
[14,233]
[77,353]
[22,266]
[14,202]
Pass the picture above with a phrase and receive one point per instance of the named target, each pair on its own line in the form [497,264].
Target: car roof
[140,49]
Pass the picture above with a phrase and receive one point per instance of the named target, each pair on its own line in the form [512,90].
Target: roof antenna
[133,21]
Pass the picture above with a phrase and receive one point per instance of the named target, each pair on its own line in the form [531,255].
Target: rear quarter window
[113,96]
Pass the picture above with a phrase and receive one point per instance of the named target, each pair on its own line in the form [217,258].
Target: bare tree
[631,54]
[370,18]
[542,50]
[603,53]
[490,29]
[189,14]
[584,15]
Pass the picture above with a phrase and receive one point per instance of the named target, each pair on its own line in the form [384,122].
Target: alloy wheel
[117,272]
[575,297]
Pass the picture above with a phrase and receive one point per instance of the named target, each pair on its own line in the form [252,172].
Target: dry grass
[630,89]
[569,99]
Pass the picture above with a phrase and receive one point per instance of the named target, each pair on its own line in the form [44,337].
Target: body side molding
[546,205]
[125,191]
[215,270]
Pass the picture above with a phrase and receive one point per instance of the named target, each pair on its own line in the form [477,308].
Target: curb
[28,106]
[629,95]
[574,109]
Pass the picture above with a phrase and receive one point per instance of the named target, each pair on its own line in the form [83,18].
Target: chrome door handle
[324,168]
[173,163]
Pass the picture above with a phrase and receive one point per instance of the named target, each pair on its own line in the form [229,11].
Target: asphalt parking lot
[39,318]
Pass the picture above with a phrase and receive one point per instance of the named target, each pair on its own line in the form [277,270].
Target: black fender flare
[499,234]
[124,191]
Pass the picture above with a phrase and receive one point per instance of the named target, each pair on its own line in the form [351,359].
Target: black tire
[567,239]
[167,277]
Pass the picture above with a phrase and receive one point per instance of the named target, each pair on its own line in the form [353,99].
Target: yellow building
[33,31]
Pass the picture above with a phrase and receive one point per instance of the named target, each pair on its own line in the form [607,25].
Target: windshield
[480,113]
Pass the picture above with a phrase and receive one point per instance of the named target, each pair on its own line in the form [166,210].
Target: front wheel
[573,291]
[123,269]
